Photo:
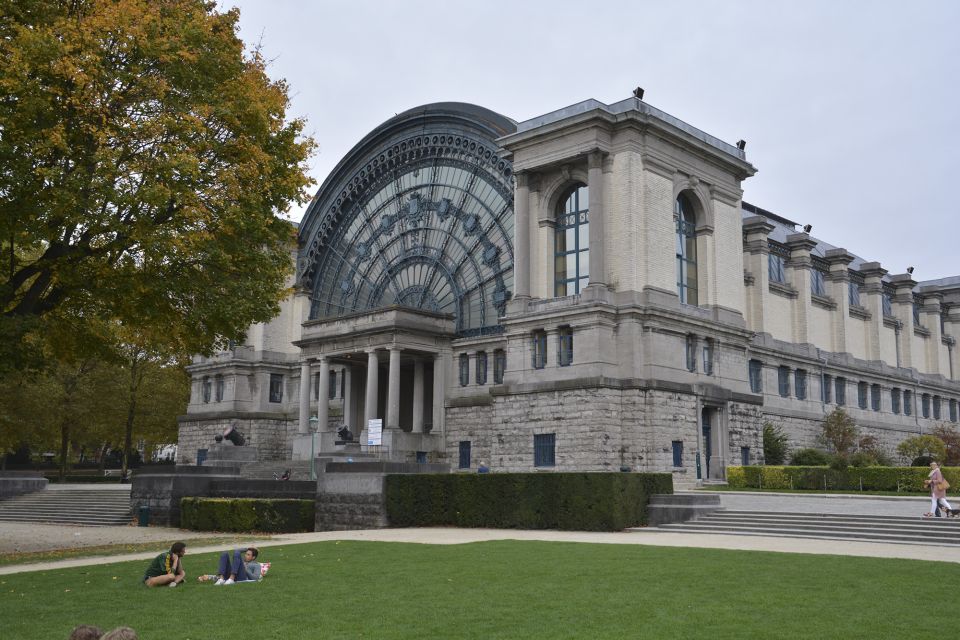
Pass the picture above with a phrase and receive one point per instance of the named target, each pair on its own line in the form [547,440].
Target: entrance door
[707,439]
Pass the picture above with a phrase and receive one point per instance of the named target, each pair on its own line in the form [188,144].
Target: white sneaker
[173,584]
[218,582]
[229,581]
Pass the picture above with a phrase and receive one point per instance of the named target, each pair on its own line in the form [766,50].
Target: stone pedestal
[223,454]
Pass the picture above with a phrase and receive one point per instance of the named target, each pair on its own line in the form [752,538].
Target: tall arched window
[572,252]
[686,250]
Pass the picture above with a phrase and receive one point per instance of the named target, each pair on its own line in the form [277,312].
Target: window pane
[584,236]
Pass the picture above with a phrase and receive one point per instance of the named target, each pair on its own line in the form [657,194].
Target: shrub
[951,439]
[905,479]
[838,463]
[921,461]
[809,458]
[247,514]
[917,446]
[775,444]
[839,432]
[863,459]
[567,501]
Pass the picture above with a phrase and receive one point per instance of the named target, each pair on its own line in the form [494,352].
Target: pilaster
[800,245]
[872,296]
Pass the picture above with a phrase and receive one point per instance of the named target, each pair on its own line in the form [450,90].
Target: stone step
[73,505]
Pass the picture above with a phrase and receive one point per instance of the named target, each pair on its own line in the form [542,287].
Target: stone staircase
[299,469]
[896,529]
[71,504]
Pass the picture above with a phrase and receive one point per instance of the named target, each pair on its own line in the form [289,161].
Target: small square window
[544,450]
[276,387]
[464,454]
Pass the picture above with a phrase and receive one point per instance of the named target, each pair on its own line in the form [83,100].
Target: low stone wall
[351,501]
[16,483]
[161,490]
[277,489]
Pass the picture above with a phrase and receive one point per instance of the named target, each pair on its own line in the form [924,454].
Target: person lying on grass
[243,568]
[167,568]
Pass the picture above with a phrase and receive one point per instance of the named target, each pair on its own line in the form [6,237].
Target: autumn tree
[951,440]
[144,155]
[839,433]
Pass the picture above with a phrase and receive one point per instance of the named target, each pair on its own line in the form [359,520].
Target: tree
[922,446]
[839,433]
[776,445]
[143,157]
[951,439]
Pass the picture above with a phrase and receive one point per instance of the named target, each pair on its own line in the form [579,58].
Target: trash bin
[144,516]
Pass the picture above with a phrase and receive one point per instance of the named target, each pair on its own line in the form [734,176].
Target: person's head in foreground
[120,633]
[85,632]
[178,549]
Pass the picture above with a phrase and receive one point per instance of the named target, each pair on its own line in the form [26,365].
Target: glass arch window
[572,243]
[686,222]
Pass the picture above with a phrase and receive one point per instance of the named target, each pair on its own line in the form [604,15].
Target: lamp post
[313,443]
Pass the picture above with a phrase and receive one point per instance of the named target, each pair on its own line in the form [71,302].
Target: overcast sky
[850,108]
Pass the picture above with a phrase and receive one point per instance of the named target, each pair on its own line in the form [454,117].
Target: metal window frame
[565,220]
[464,369]
[677,448]
[276,388]
[755,371]
[481,368]
[464,451]
[783,381]
[800,384]
[685,228]
[544,449]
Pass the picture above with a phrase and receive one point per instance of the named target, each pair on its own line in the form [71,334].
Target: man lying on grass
[242,569]
[167,568]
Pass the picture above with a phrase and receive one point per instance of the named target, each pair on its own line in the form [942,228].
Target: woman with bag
[938,491]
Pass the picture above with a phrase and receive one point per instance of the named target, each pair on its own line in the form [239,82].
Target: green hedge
[247,514]
[567,501]
[905,479]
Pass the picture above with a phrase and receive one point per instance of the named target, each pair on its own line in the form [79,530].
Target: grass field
[502,589]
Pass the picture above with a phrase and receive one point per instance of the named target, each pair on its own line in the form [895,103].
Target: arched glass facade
[686,222]
[420,215]
[572,243]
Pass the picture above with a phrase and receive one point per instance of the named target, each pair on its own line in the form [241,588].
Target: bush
[864,459]
[775,444]
[839,433]
[921,461]
[247,514]
[904,479]
[927,446]
[809,458]
[951,439]
[566,501]
[839,463]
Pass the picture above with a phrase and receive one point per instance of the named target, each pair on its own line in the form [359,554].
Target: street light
[313,442]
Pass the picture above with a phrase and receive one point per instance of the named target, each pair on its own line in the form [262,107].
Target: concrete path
[849,504]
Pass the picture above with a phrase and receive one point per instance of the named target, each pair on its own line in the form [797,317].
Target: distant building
[585,290]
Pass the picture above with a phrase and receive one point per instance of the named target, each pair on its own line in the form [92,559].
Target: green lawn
[500,589]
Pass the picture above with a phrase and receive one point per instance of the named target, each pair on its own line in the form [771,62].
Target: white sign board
[375,432]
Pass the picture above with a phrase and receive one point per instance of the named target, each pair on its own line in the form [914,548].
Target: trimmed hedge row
[906,479]
[566,501]
[247,514]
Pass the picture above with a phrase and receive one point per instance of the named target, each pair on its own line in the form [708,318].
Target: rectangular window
[887,304]
[825,390]
[895,400]
[481,367]
[206,389]
[218,389]
[332,385]
[854,294]
[862,394]
[691,353]
[756,376]
[464,369]
[783,380]
[745,456]
[678,453]
[800,383]
[936,407]
[276,387]
[421,457]
[564,346]
[316,386]
[841,391]
[916,314]
[925,405]
[953,411]
[907,402]
[201,456]
[544,450]
[464,454]
[708,357]
[775,268]
[875,397]
[539,348]
[817,286]
[499,365]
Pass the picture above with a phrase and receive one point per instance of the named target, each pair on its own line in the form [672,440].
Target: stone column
[439,392]
[393,390]
[800,245]
[873,292]
[418,395]
[348,396]
[303,426]
[757,247]
[930,319]
[370,406]
[598,266]
[323,401]
[839,287]
[903,310]
[521,234]
[951,330]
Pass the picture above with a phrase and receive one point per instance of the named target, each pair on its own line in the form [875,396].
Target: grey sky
[849,108]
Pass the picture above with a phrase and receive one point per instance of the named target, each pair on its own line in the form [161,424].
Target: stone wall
[350,501]
[271,436]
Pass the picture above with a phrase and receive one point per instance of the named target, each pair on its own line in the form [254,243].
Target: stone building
[585,290]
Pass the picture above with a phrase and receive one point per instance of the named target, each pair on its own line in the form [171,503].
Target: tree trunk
[64,447]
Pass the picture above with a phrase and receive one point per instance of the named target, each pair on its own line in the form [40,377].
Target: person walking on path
[243,568]
[938,491]
[167,568]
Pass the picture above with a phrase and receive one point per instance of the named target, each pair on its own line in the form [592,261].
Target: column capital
[595,159]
